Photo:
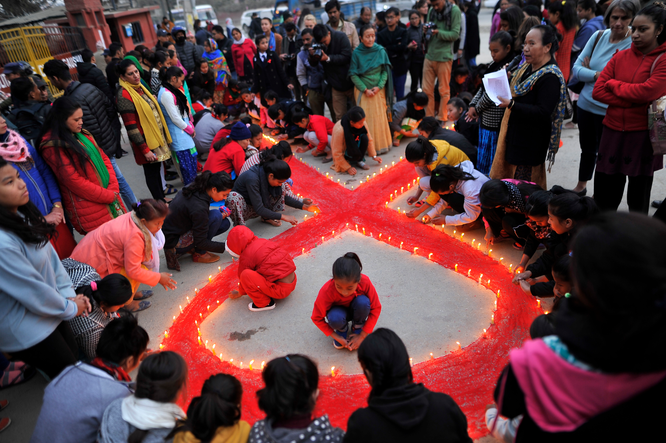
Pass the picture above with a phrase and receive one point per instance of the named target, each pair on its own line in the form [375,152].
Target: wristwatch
[57,205]
[374,157]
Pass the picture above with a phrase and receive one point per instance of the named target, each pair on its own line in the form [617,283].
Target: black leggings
[609,189]
[154,180]
[53,354]
[416,73]
[590,127]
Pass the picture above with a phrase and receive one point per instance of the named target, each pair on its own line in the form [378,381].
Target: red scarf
[111,368]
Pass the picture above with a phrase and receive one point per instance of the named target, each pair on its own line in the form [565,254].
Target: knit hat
[240,132]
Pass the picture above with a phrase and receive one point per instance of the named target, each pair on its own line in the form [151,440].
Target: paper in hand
[497,85]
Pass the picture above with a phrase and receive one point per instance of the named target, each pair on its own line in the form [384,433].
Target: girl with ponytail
[151,413]
[348,296]
[385,362]
[106,295]
[215,415]
[567,211]
[289,398]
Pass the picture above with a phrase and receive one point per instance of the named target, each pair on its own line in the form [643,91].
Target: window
[137,34]
[100,18]
[80,21]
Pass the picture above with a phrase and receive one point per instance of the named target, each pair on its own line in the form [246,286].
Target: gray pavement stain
[242,336]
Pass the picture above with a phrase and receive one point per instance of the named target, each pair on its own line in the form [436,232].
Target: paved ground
[381,263]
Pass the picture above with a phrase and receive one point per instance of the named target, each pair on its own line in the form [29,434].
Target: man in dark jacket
[200,33]
[99,117]
[116,52]
[91,74]
[255,26]
[336,58]
[394,39]
[186,51]
[291,46]
[224,44]
[364,19]
[29,111]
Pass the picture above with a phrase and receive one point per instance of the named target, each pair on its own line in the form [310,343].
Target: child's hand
[378,160]
[340,340]
[426,219]
[471,114]
[489,237]
[307,201]
[521,276]
[526,286]
[413,213]
[355,340]
[412,200]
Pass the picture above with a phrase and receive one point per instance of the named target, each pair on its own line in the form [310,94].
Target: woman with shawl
[144,74]
[218,64]
[145,125]
[87,181]
[373,87]
[532,122]
[351,141]
[243,51]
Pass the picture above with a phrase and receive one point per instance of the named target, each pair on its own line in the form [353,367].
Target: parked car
[402,5]
[205,12]
[246,18]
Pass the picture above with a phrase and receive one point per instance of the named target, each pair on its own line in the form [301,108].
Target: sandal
[3,404]
[143,295]
[363,166]
[141,306]
[170,190]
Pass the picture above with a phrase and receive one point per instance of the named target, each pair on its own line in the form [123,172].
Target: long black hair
[385,357]
[290,384]
[112,290]
[428,124]
[444,175]
[166,74]
[537,203]
[420,149]
[121,339]
[657,14]
[208,180]
[28,224]
[567,10]
[217,406]
[570,205]
[279,168]
[281,151]
[55,126]
[496,192]
[514,16]
[348,268]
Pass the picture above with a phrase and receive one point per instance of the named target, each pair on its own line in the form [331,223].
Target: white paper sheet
[497,85]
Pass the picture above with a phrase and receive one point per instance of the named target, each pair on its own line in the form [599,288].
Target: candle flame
[332,371]
[250,364]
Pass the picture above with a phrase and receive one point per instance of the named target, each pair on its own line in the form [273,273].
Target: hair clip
[543,21]
[138,204]
[93,285]
[287,358]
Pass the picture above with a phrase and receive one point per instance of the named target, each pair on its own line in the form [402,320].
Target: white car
[246,18]
[402,5]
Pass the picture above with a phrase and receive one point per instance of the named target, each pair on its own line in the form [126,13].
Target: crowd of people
[196,108]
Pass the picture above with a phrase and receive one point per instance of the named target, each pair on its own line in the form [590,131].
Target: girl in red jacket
[266,272]
[349,295]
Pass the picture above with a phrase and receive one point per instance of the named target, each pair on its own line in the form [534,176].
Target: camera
[428,28]
[290,57]
[317,49]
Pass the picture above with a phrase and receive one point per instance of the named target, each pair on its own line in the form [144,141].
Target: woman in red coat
[88,184]
[266,271]
[628,87]
[242,52]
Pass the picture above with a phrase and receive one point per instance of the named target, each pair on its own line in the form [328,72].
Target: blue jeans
[216,225]
[357,312]
[399,85]
[125,191]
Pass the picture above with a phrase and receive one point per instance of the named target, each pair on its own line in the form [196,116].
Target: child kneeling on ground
[349,295]
[318,133]
[266,272]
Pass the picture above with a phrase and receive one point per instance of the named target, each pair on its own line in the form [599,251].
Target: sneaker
[206,257]
[4,423]
[255,308]
[342,334]
[172,259]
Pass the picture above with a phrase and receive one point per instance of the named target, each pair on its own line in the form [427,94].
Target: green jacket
[440,48]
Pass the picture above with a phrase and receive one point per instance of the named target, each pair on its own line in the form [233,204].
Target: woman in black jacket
[261,191]
[400,410]
[191,225]
[204,77]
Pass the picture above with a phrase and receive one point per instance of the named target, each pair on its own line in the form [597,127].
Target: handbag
[656,120]
[577,87]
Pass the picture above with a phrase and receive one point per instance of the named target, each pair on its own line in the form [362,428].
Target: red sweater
[329,296]
[322,127]
[230,158]
[626,86]
[260,255]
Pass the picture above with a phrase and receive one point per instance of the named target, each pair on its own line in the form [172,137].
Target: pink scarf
[14,149]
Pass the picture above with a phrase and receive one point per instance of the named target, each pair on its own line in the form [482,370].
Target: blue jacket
[180,127]
[41,182]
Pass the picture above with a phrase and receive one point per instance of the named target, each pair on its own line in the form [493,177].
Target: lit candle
[201,315]
[479,247]
[356,228]
[454,233]
[206,344]
[333,233]
[488,282]
[196,323]
[492,319]
[199,340]
[303,251]
[332,371]
[498,293]
[199,332]
[210,278]
[322,239]
[430,256]
[496,304]
[408,185]
[305,218]
[166,334]
[456,267]
[374,174]
[401,244]
[538,306]
[459,345]
[208,307]
[400,158]
[380,235]
[398,209]
[473,240]
[174,318]
[469,272]
[402,189]
[480,278]
[501,258]
[389,240]
[219,269]
[490,252]
[338,180]
[410,361]
[213,349]
[231,360]
[416,249]
[363,231]
[462,235]
[263,363]
[188,301]
[181,308]
[241,365]
[391,197]
[432,357]
[250,364]
[387,204]
[161,346]
[510,266]
[484,334]
[393,163]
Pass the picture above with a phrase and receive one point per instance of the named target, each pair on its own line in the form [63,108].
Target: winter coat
[269,75]
[627,87]
[290,65]
[240,53]
[472,40]
[322,127]
[99,115]
[187,54]
[40,181]
[255,193]
[339,51]
[395,42]
[118,246]
[190,213]
[180,126]
[91,74]
[319,431]
[416,34]
[408,413]
[206,130]
[260,255]
[85,200]
[230,158]
[255,28]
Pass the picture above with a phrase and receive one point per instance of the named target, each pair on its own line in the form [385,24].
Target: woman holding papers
[532,123]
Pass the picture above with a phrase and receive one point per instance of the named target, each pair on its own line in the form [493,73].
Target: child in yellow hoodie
[214,416]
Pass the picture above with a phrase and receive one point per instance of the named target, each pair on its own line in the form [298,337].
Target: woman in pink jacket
[123,246]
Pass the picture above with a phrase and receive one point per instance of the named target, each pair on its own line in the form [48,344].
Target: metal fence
[39,44]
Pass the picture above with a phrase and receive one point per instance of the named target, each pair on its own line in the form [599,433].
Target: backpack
[29,121]
[657,120]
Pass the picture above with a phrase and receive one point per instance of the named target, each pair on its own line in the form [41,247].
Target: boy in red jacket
[266,272]
[349,295]
[318,132]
